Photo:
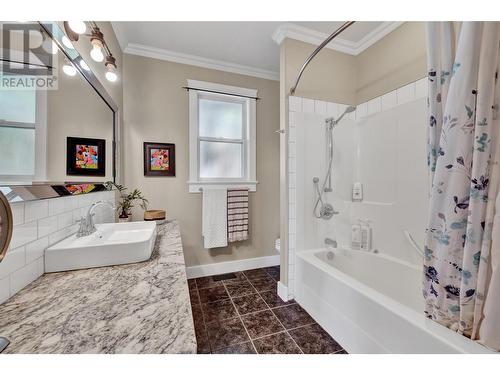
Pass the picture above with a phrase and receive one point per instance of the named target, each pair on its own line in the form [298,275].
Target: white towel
[214,218]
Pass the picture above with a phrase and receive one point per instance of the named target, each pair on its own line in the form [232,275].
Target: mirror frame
[6,222]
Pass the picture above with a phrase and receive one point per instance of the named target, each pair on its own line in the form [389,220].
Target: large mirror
[56,122]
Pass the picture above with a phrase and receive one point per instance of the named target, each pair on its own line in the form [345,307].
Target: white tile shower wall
[37,225]
[310,114]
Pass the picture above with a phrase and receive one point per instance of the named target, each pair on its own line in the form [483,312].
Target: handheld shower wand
[326,210]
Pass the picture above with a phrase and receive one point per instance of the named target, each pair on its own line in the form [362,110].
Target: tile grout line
[256,291]
[239,316]
[279,319]
[285,330]
[291,329]
[203,317]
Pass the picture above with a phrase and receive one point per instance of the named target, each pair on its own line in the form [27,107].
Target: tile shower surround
[38,225]
[244,315]
[404,94]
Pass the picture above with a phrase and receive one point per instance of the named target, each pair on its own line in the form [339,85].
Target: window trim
[40,128]
[195,183]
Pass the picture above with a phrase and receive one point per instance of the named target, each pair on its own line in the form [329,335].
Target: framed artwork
[86,157]
[159,159]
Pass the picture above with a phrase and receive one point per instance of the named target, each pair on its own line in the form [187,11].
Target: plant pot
[125,218]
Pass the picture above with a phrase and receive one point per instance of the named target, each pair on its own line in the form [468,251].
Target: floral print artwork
[461,68]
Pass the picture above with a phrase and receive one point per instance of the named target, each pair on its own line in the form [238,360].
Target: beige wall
[330,76]
[156,110]
[394,61]
[75,110]
[397,59]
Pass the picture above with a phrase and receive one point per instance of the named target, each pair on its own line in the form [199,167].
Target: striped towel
[237,215]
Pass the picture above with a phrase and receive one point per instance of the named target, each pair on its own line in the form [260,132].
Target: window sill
[198,186]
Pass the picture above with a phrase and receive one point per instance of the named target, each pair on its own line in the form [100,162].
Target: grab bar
[413,243]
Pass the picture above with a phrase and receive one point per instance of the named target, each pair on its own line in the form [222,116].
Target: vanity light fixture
[69,69]
[100,51]
[78,27]
[97,41]
[67,43]
[84,65]
[111,68]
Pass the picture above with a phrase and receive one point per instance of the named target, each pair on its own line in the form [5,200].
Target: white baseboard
[231,266]
[283,291]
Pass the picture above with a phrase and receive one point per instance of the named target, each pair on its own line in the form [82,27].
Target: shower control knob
[327,211]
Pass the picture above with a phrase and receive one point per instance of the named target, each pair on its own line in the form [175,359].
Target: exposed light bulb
[50,46]
[78,27]
[96,52]
[110,69]
[67,42]
[84,65]
[69,69]
[111,76]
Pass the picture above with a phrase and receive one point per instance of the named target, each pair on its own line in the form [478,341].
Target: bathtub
[371,303]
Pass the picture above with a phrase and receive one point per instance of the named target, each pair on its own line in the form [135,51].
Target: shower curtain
[459,263]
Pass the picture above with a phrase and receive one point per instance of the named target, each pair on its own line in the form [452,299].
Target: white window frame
[214,91]
[40,127]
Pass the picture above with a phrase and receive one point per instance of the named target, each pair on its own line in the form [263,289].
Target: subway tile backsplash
[38,225]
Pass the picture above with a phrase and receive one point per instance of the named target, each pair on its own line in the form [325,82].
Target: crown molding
[183,58]
[121,35]
[304,34]
[376,34]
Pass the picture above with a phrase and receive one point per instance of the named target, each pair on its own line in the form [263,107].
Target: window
[22,135]
[222,122]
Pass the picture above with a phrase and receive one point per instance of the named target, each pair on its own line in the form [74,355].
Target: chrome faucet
[87,225]
[330,242]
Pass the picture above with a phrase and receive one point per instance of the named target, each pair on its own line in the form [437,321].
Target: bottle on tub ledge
[361,235]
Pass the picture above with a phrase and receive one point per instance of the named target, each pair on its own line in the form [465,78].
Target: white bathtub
[371,303]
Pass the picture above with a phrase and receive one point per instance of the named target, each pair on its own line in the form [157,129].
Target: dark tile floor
[244,314]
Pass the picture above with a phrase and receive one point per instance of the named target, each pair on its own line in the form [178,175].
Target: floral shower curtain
[462,145]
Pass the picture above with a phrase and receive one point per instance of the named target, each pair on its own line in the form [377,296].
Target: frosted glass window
[220,160]
[18,106]
[17,151]
[220,119]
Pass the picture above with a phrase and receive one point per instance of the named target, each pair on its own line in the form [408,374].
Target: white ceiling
[241,47]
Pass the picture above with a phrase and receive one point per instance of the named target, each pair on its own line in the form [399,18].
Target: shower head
[332,122]
[349,109]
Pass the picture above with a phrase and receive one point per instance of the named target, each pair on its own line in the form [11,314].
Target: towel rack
[201,189]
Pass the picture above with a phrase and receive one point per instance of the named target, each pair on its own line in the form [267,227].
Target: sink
[111,244]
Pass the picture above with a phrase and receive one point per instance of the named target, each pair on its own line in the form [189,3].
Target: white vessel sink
[111,244]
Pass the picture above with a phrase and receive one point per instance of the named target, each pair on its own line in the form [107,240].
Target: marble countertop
[136,308]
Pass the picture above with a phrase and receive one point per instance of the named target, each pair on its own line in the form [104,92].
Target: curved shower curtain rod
[315,52]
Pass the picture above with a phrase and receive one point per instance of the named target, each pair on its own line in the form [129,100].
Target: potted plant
[127,201]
